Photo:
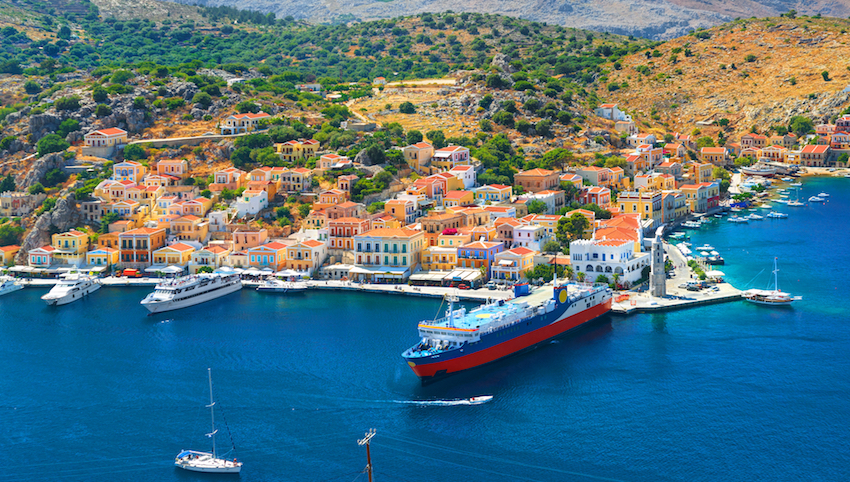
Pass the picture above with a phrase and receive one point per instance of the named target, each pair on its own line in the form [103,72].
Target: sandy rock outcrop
[64,216]
[41,167]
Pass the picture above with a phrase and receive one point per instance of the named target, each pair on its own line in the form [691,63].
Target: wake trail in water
[447,403]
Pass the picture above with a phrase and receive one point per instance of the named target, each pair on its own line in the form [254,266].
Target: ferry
[463,340]
[71,287]
[8,285]
[186,291]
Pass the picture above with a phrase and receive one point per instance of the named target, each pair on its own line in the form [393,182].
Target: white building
[251,202]
[242,123]
[611,112]
[531,236]
[554,200]
[606,257]
[466,174]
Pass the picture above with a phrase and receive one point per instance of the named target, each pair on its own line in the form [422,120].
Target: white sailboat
[773,297]
[205,461]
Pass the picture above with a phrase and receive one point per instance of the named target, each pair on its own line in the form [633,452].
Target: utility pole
[365,441]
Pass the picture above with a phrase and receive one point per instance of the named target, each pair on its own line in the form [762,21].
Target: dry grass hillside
[752,72]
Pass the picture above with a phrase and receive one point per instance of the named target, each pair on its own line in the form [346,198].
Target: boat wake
[448,403]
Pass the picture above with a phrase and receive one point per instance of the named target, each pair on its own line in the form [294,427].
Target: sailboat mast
[212,412]
[775,275]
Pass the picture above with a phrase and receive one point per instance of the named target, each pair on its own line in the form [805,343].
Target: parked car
[462,286]
[491,285]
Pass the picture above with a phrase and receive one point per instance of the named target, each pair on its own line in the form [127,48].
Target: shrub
[139,103]
[67,103]
[134,152]
[407,108]
[202,98]
[99,94]
[122,76]
[32,87]
[51,143]
[102,110]
[750,58]
[174,103]
[55,177]
[36,188]
[247,106]
[67,126]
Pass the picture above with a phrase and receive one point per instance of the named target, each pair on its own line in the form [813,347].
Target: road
[422,82]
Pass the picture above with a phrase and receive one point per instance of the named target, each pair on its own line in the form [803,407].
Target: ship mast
[212,413]
[775,275]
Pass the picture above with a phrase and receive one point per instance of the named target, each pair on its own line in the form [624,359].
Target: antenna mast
[366,441]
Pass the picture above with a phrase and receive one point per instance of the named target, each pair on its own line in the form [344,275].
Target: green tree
[504,118]
[139,103]
[414,136]
[106,220]
[36,188]
[705,141]
[54,177]
[571,229]
[247,106]
[122,76]
[304,210]
[205,269]
[800,125]
[551,246]
[557,158]
[67,103]
[102,110]
[67,126]
[437,138]
[99,94]
[7,184]
[825,75]
[202,98]
[32,87]
[134,152]
[407,108]
[536,206]
[51,143]
[10,234]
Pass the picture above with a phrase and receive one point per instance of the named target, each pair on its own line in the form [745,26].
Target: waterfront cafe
[165,271]
[379,275]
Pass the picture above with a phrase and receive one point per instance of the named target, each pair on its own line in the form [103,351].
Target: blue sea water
[98,391]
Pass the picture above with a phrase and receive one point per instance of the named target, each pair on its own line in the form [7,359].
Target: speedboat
[692,224]
[765,206]
[776,215]
[787,179]
[738,219]
[823,194]
[705,247]
[755,217]
[796,184]
[795,204]
[8,285]
[481,399]
[280,286]
[815,199]
[71,287]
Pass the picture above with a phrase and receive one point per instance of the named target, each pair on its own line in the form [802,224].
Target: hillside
[655,19]
[752,72]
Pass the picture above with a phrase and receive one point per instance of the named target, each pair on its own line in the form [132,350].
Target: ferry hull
[71,297]
[431,370]
[161,307]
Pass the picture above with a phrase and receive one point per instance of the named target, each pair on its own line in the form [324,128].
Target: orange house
[136,246]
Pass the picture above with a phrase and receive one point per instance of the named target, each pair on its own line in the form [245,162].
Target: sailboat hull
[206,462]
[211,470]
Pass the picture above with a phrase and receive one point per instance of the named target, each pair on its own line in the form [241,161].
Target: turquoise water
[98,391]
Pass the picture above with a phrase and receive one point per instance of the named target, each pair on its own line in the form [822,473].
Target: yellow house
[418,156]
[175,255]
[7,254]
[483,233]
[453,240]
[211,256]
[437,258]
[102,257]
[458,198]
[70,247]
[306,256]
[649,204]
[292,151]
[190,228]
[511,265]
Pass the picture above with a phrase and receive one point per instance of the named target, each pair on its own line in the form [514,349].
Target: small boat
[280,286]
[738,219]
[706,247]
[9,285]
[72,287]
[755,217]
[759,170]
[776,215]
[816,199]
[787,179]
[206,461]
[773,297]
[765,206]
[795,204]
[692,224]
[715,260]
[481,399]
[823,194]
[715,253]
[796,184]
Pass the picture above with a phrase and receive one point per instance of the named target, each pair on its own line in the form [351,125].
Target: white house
[251,202]
[606,257]
[241,123]
[466,174]
[554,200]
[531,236]
[611,112]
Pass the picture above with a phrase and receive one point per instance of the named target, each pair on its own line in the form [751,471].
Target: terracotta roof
[141,231]
[512,221]
[10,248]
[391,233]
[814,149]
[520,251]
[481,245]
[456,194]
[301,170]
[496,186]
[461,168]
[452,149]
[312,243]
[613,242]
[421,145]
[713,150]
[249,115]
[180,247]
[607,106]
[346,220]
[274,245]
[616,232]
[111,131]
[535,172]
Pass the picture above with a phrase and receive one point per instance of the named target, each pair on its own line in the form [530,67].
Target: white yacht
[755,217]
[71,287]
[823,195]
[280,286]
[206,461]
[776,215]
[815,199]
[8,285]
[186,291]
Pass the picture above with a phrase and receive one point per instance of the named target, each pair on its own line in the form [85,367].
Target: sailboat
[204,461]
[772,297]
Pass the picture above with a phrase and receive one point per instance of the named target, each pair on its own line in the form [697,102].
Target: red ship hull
[427,371]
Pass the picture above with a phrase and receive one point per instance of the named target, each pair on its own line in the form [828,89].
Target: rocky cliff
[656,19]
[64,216]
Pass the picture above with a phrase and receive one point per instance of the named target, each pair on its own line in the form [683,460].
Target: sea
[99,391]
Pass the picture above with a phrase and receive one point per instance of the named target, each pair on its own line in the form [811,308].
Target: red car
[462,287]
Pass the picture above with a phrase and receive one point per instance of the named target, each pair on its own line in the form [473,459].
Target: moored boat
[463,340]
[816,199]
[71,287]
[759,170]
[280,286]
[207,462]
[186,291]
[775,215]
[9,285]
[738,219]
[773,297]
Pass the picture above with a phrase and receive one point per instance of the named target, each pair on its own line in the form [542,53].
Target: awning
[464,275]
[20,269]
[378,271]
[173,270]
[506,262]
[156,268]
[435,276]
[252,272]
[290,272]
[96,269]
[715,274]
